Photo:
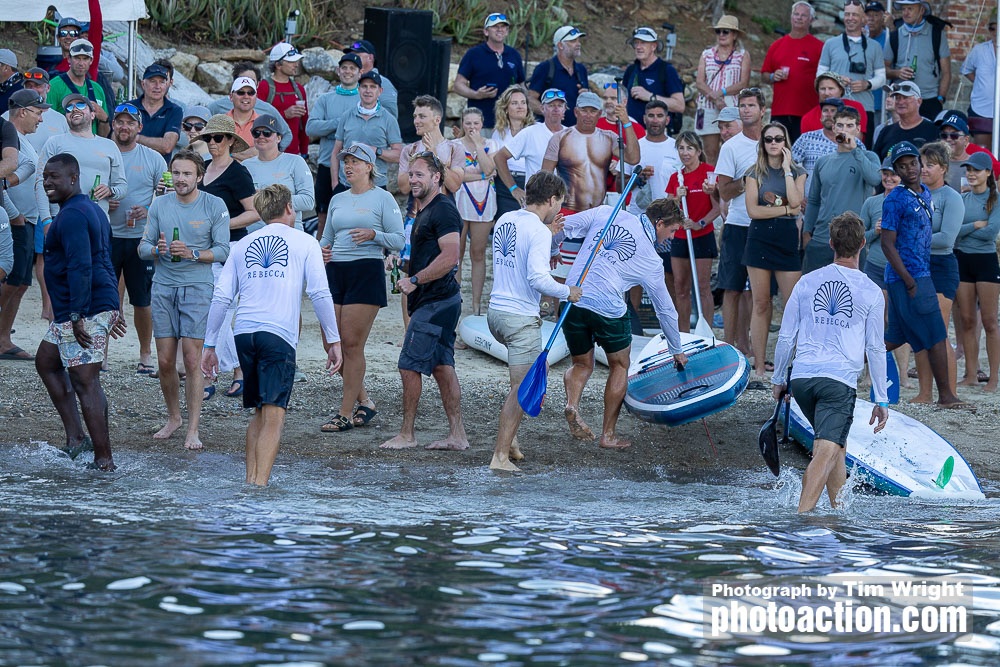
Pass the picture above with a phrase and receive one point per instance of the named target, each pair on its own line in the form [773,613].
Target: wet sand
[137,411]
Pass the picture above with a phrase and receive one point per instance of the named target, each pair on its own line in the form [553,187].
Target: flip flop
[145,369]
[960,405]
[769,366]
[912,373]
[362,415]
[16,354]
[337,424]
[982,376]
[758,382]
[231,393]
[209,392]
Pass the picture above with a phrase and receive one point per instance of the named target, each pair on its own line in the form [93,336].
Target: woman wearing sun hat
[723,70]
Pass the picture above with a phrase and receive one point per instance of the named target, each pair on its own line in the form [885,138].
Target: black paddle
[767,439]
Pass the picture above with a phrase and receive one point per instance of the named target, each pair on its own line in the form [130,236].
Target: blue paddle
[892,380]
[535,384]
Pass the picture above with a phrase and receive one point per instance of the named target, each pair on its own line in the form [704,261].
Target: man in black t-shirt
[10,145]
[435,304]
[912,126]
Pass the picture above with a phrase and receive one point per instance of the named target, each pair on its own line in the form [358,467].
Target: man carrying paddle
[625,258]
[833,317]
[521,244]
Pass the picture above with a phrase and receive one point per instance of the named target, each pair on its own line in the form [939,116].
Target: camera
[857,68]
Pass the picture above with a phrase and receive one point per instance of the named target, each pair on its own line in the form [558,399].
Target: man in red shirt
[287,95]
[790,65]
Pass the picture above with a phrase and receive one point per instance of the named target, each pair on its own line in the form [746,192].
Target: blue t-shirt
[571,84]
[481,66]
[78,271]
[167,119]
[909,215]
[660,78]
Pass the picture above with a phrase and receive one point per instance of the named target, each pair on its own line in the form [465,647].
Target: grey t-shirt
[288,170]
[143,169]
[28,196]
[871,215]
[6,242]
[375,209]
[774,182]
[53,123]
[203,225]
[834,58]
[946,220]
[982,240]
[919,44]
[380,130]
[97,157]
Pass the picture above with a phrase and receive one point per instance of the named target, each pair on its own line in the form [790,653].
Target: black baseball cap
[352,58]
[361,46]
[874,6]
[373,75]
[25,98]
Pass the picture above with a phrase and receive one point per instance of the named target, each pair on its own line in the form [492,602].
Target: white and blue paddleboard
[476,333]
[715,376]
[905,459]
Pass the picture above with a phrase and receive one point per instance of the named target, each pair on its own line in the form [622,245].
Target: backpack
[937,29]
[297,89]
[551,74]
[676,122]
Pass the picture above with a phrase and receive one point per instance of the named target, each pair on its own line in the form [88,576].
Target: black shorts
[732,271]
[268,364]
[704,247]
[583,328]
[429,341]
[138,271]
[977,267]
[360,281]
[23,238]
[324,188]
[668,266]
[773,245]
[828,405]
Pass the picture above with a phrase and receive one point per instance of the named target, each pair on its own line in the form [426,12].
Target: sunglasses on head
[553,95]
[848,3]
[723,31]
[954,136]
[261,132]
[126,107]
[68,33]
[774,139]
[497,17]
[76,106]
[37,76]
[750,91]
[429,155]
[216,138]
[611,85]
[193,126]
[245,93]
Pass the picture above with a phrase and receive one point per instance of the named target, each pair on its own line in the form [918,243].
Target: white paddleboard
[476,333]
[904,459]
[639,344]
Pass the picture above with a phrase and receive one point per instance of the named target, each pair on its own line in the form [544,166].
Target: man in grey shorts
[521,243]
[186,230]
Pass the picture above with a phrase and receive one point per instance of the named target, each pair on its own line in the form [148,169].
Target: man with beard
[85,306]
[77,80]
[657,154]
[287,95]
[435,305]
[100,161]
[197,224]
[562,72]
[143,169]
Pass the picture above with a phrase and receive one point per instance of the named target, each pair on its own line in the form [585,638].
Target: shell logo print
[505,239]
[619,241]
[834,297]
[267,251]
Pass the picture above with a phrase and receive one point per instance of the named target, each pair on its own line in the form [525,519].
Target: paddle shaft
[621,140]
[702,326]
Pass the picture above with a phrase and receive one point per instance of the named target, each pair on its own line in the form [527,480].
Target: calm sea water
[173,561]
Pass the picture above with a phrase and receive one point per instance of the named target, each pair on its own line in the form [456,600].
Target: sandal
[982,376]
[337,424]
[234,393]
[912,373]
[757,382]
[769,366]
[363,414]
[209,392]
[145,369]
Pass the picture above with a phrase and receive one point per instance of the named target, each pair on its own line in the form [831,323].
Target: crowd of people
[197,213]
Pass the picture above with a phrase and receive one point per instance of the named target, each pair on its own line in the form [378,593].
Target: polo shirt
[380,130]
[660,78]
[325,117]
[795,95]
[569,82]
[481,67]
[166,119]
[244,129]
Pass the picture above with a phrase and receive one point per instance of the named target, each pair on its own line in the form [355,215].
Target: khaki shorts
[71,352]
[520,334]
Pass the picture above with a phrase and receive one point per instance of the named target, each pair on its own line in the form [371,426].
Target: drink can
[168,179]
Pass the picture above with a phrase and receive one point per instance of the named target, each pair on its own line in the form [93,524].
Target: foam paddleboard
[638,345]
[892,380]
[713,379]
[476,333]
[905,459]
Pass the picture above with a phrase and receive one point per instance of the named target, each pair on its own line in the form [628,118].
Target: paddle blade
[531,393]
[945,475]
[767,440]
[891,381]
[704,329]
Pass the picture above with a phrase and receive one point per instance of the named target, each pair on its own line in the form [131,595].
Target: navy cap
[352,58]
[373,75]
[156,70]
[979,161]
[833,102]
[69,20]
[887,162]
[874,6]
[361,46]
[902,149]
[955,119]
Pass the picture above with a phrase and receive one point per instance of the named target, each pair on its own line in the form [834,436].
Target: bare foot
[577,427]
[192,441]
[921,399]
[500,463]
[968,382]
[450,443]
[105,465]
[990,387]
[515,451]
[614,442]
[168,430]
[399,442]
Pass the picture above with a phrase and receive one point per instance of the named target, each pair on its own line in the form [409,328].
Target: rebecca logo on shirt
[504,244]
[619,241]
[267,252]
[833,298]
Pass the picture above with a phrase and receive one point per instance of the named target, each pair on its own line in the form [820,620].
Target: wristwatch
[195,255]
[378,152]
[414,279]
[75,317]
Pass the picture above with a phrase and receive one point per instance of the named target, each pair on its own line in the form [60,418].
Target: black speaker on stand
[408,56]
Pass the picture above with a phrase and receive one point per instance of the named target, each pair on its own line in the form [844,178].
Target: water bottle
[93,190]
[177,237]
[394,276]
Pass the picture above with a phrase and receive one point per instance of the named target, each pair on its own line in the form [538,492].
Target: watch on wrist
[414,280]
[195,255]
[74,317]
[378,152]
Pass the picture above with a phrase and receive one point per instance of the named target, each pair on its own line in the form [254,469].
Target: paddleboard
[638,345]
[904,459]
[713,379]
[476,333]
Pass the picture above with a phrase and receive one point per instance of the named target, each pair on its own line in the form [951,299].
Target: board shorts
[582,328]
[180,312]
[430,338]
[732,272]
[520,334]
[828,405]
[71,352]
[915,320]
[360,281]
[268,364]
[23,237]
[877,274]
[138,272]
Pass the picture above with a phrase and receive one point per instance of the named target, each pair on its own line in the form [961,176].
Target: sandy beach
[136,412]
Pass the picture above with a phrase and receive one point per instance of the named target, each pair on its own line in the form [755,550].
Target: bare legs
[166,353]
[451,398]
[10,302]
[760,319]
[986,294]
[828,469]
[682,285]
[263,437]
[510,419]
[480,233]
[355,324]
[40,277]
[736,320]
[575,379]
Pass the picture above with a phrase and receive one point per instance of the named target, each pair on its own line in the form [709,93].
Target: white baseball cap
[243,82]
[567,33]
[285,51]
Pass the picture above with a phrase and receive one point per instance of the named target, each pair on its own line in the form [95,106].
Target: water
[173,561]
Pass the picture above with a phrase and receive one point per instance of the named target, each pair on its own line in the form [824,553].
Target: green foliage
[463,19]
[767,23]
[257,23]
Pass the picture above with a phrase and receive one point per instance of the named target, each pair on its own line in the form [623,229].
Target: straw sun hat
[223,124]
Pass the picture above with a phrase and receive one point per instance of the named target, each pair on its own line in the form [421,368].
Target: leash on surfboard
[715,452]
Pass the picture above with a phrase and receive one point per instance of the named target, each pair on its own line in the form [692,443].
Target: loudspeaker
[406,54]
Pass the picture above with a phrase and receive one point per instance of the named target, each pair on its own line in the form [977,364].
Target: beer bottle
[913,65]
[177,237]
[97,184]
[394,276]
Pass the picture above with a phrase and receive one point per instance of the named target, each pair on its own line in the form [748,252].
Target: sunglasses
[723,31]
[750,91]
[216,138]
[126,107]
[496,17]
[553,95]
[291,52]
[954,136]
[193,126]
[76,106]
[774,139]
[570,36]
[429,155]
[611,85]
[262,132]
[246,93]
[68,33]
[848,3]
[37,76]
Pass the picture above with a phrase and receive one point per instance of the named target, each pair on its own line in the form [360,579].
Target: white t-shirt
[982,60]
[626,259]
[735,158]
[662,157]
[530,144]
[832,319]
[521,264]
[503,139]
[267,270]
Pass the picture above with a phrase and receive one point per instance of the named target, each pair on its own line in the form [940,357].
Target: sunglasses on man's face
[246,93]
[37,76]
[261,132]
[68,33]
[76,106]
[216,138]
[954,136]
[190,127]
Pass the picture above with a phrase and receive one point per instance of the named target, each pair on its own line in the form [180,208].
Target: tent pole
[131,59]
[996,95]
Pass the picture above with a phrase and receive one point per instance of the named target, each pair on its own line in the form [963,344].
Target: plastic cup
[785,70]
[712,177]
[129,219]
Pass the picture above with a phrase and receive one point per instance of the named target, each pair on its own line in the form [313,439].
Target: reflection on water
[173,561]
